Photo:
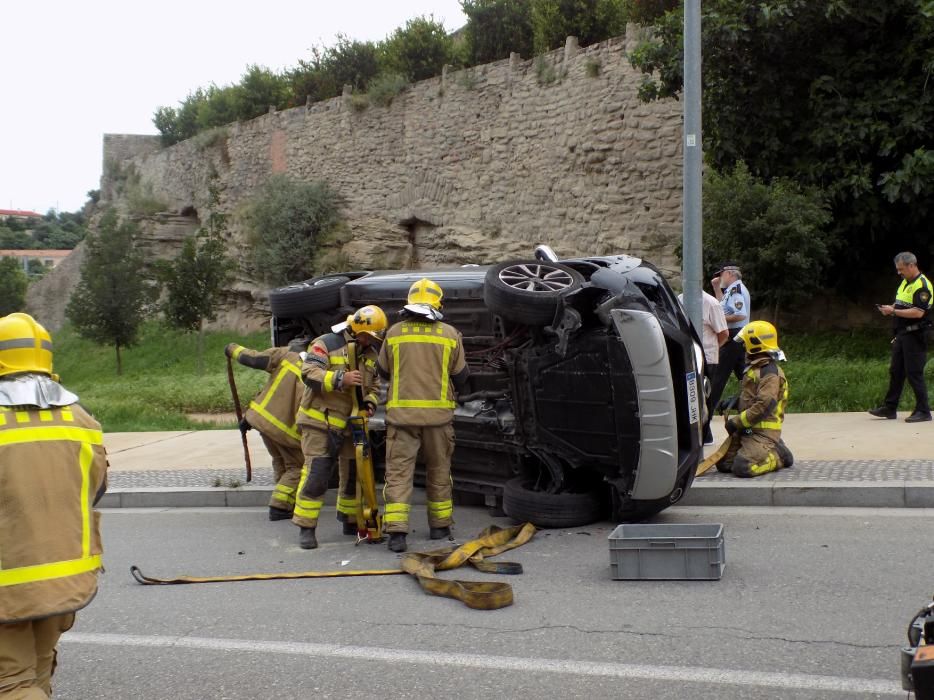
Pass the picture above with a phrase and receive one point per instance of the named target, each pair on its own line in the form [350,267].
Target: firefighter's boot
[439,533]
[397,542]
[350,527]
[788,459]
[307,539]
[279,514]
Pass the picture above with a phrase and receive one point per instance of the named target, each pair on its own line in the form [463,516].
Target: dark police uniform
[909,347]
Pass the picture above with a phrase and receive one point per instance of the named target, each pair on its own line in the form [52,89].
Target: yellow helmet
[370,320]
[427,293]
[25,346]
[758,336]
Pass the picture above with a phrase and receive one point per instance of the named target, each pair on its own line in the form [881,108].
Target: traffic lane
[119,671]
[804,590]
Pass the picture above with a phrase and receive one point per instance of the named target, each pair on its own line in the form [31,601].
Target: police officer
[54,470]
[733,296]
[273,413]
[423,359]
[911,314]
[756,445]
[339,371]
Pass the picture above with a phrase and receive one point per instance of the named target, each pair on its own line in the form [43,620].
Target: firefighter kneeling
[756,445]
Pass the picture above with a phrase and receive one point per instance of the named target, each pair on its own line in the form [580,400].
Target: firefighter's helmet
[25,345]
[425,292]
[759,337]
[370,320]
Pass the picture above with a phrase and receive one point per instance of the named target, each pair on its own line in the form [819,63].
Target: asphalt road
[813,603]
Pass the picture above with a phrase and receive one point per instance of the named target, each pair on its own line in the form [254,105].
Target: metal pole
[693,160]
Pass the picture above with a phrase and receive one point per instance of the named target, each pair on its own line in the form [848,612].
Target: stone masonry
[474,166]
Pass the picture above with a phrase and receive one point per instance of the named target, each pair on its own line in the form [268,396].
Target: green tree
[13,285]
[194,281]
[285,219]
[14,240]
[418,51]
[834,94]
[258,90]
[776,231]
[496,28]
[111,299]
[589,20]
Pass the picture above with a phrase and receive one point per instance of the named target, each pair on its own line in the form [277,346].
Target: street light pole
[692,234]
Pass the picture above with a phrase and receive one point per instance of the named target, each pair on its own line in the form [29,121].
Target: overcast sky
[73,71]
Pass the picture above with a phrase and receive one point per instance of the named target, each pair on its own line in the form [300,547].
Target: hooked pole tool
[369,519]
[239,411]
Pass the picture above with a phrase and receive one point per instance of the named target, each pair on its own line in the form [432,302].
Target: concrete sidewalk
[841,459]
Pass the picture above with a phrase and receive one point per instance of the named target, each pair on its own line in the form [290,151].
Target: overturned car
[585,395]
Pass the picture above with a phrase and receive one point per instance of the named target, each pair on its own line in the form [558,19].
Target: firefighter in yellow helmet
[273,413]
[53,470]
[423,359]
[756,445]
[339,372]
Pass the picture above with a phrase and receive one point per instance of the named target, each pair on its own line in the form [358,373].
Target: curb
[857,494]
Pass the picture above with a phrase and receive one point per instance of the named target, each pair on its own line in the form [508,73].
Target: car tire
[542,509]
[316,294]
[528,291]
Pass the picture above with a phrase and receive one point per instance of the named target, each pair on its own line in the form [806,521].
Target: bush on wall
[286,220]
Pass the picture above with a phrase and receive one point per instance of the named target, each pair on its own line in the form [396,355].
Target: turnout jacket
[273,410]
[424,363]
[326,403]
[763,397]
[53,470]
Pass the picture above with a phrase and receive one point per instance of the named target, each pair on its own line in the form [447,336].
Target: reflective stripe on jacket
[763,397]
[273,410]
[422,360]
[52,470]
[325,403]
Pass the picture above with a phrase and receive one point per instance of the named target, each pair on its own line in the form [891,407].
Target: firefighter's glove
[229,350]
[244,426]
[370,408]
[727,404]
[732,426]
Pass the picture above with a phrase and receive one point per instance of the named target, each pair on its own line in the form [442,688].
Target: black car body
[586,393]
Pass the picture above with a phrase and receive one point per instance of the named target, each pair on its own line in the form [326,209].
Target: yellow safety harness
[480,595]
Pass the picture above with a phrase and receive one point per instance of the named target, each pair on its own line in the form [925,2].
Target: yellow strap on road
[480,595]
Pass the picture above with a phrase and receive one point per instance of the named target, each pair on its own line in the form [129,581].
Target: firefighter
[756,445]
[273,413]
[423,360]
[334,391]
[53,468]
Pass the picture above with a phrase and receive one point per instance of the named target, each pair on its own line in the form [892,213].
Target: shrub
[285,219]
[384,88]
[418,51]
[13,283]
[496,28]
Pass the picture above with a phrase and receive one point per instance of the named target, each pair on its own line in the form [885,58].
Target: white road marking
[684,674]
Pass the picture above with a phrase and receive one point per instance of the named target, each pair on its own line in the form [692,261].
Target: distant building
[19,214]
[49,258]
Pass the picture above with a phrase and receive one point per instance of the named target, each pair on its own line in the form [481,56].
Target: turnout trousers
[909,353]
[402,448]
[322,448]
[27,656]
[287,466]
[754,454]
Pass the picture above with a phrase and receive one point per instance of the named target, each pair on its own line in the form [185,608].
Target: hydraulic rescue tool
[480,595]
[369,519]
[239,411]
[917,659]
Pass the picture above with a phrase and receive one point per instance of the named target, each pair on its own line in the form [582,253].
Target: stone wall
[473,166]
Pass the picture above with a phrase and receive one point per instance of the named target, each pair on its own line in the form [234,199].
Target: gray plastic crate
[667,551]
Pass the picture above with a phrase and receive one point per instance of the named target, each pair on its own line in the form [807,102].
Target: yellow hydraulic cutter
[369,519]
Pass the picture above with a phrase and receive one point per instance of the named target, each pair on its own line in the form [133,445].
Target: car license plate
[693,397]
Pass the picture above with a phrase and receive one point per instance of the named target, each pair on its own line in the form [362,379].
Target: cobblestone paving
[846,470]
[830,471]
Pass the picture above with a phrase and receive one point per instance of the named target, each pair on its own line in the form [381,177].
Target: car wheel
[316,294]
[528,291]
[543,509]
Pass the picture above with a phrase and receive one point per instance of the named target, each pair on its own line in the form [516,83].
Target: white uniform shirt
[714,322]
[735,302]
